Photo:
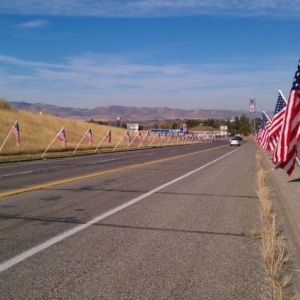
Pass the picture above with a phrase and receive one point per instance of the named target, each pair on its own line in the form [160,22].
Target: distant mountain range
[128,114]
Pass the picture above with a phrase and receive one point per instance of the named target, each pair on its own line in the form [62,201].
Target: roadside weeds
[274,250]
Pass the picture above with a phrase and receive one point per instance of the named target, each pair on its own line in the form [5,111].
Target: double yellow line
[68,180]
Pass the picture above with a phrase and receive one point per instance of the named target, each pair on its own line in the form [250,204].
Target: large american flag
[277,120]
[286,152]
[62,136]
[89,135]
[16,132]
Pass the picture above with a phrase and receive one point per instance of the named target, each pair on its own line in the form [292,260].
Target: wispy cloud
[112,80]
[152,8]
[33,24]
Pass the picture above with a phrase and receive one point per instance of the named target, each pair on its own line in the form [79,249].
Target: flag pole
[132,141]
[119,142]
[153,139]
[102,141]
[141,142]
[51,143]
[167,140]
[267,116]
[8,136]
[80,142]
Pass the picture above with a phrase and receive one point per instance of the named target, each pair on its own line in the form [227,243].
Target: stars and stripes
[286,152]
[108,136]
[277,117]
[16,132]
[127,138]
[62,136]
[140,138]
[89,135]
[262,133]
[148,136]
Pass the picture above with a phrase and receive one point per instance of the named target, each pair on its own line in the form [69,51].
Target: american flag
[262,134]
[108,136]
[158,135]
[148,137]
[277,120]
[127,137]
[286,152]
[16,132]
[89,135]
[140,138]
[62,136]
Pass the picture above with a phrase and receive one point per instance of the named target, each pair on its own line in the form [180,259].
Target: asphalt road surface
[155,224]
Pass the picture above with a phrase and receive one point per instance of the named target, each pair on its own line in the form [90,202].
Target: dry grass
[38,130]
[273,246]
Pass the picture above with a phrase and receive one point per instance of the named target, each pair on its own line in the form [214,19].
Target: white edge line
[13,174]
[19,258]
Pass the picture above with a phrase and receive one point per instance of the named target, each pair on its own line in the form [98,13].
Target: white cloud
[33,24]
[151,8]
[113,80]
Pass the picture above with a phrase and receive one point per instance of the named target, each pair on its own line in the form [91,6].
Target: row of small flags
[15,130]
[282,134]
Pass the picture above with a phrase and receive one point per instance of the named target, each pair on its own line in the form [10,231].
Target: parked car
[235,141]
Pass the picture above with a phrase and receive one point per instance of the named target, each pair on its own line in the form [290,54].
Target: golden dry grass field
[38,130]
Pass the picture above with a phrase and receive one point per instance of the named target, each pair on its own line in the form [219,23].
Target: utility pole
[252,111]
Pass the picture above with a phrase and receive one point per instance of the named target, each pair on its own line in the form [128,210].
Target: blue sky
[151,53]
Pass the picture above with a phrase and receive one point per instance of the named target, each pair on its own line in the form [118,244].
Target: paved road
[177,229]
[25,174]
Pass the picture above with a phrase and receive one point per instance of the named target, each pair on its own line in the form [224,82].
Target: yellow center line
[68,180]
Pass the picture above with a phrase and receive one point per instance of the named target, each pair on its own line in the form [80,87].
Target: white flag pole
[51,142]
[141,142]
[168,140]
[102,141]
[80,142]
[8,136]
[267,116]
[280,92]
[153,139]
[119,142]
[159,141]
[132,141]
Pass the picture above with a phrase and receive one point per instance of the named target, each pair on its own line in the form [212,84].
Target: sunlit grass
[274,250]
[38,130]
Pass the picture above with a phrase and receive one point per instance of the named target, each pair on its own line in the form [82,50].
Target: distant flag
[127,137]
[148,136]
[62,136]
[263,133]
[285,154]
[108,136]
[89,135]
[158,135]
[140,138]
[16,132]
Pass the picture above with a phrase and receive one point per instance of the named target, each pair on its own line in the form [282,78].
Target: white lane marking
[13,174]
[106,160]
[19,258]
